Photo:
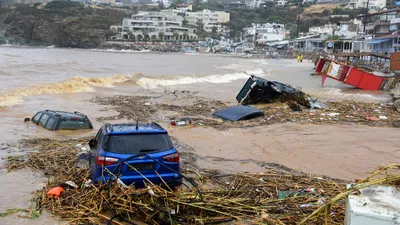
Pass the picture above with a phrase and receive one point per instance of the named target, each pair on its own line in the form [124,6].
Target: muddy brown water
[33,79]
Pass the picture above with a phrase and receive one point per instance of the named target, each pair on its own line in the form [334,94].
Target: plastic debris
[311,190]
[371,118]
[72,184]
[184,121]
[333,114]
[383,118]
[55,192]
[147,103]
[306,205]
[119,181]
[88,183]
[321,201]
[151,192]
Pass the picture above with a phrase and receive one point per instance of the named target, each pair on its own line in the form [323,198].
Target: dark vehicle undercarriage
[257,90]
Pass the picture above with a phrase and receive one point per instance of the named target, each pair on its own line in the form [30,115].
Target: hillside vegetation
[60,23]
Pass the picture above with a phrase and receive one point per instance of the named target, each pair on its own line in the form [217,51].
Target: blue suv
[136,153]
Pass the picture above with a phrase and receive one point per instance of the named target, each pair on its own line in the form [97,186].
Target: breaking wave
[82,84]
[122,50]
[147,82]
[76,84]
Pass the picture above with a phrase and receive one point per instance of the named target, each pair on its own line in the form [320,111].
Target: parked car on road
[138,153]
[59,120]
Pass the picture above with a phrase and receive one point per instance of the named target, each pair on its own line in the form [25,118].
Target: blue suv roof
[133,128]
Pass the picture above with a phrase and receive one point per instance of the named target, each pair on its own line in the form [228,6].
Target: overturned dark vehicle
[257,90]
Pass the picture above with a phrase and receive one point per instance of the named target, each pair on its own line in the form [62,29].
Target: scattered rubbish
[184,121]
[377,111]
[147,103]
[383,118]
[151,192]
[261,179]
[119,181]
[321,201]
[72,184]
[306,205]
[239,112]
[312,190]
[55,192]
[290,194]
[87,183]
[371,118]
[201,124]
[333,114]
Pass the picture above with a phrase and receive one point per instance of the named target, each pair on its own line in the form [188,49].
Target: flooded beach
[34,79]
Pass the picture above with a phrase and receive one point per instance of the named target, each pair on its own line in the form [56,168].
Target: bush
[59,4]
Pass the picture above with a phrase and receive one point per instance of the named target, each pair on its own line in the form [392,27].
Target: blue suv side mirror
[92,143]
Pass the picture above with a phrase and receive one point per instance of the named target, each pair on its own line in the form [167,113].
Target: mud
[162,107]
[200,109]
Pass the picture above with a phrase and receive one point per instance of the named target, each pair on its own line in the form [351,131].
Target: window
[119,29]
[36,118]
[138,143]
[97,139]
[43,120]
[50,123]
[74,124]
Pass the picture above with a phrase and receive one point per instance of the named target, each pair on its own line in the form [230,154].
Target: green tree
[201,33]
[197,5]
[185,22]
[176,35]
[214,30]
[332,37]
[130,35]
[161,36]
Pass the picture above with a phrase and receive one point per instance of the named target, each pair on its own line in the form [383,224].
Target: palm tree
[176,35]
[161,36]
[130,35]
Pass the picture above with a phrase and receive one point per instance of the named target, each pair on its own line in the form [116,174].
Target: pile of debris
[297,107]
[207,196]
[395,93]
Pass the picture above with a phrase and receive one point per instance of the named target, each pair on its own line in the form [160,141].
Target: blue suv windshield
[137,143]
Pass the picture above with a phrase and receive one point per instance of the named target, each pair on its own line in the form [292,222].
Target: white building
[184,7]
[281,3]
[146,26]
[373,4]
[209,18]
[345,30]
[166,3]
[267,32]
[253,3]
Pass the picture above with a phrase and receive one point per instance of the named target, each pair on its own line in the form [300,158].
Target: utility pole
[298,24]
[366,15]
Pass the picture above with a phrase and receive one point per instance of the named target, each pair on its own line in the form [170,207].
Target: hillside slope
[60,23]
